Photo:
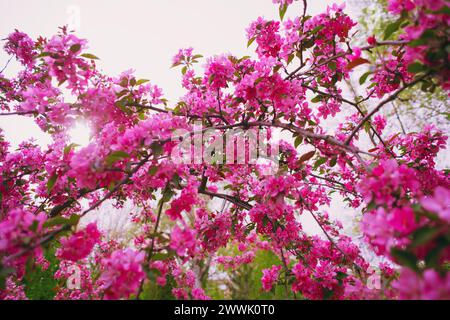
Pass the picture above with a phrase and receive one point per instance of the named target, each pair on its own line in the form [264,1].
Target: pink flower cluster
[13,291]
[82,285]
[122,273]
[219,71]
[163,269]
[385,230]
[270,276]
[182,56]
[66,64]
[266,34]
[21,228]
[429,286]
[187,285]
[428,17]
[21,45]
[388,178]
[183,241]
[390,75]
[184,202]
[439,203]
[80,244]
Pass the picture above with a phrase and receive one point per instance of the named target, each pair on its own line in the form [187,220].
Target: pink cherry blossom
[439,203]
[269,277]
[80,244]
[183,241]
[22,46]
[122,273]
[429,286]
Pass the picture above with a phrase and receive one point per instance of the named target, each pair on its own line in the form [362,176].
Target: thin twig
[384,102]
[155,230]
[6,65]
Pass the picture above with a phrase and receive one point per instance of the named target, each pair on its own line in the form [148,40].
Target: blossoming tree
[292,83]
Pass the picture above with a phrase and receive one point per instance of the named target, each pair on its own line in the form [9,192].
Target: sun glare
[80,133]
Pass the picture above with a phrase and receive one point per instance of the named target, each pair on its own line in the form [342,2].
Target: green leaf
[282,10]
[56,221]
[51,182]
[123,82]
[318,28]
[69,148]
[333,161]
[90,56]
[265,220]
[43,54]
[141,81]
[423,235]
[122,105]
[371,206]
[4,273]
[211,78]
[444,10]
[416,67]
[317,99]
[356,62]
[373,84]
[320,162]
[404,258]
[61,221]
[447,49]
[167,195]
[367,127]
[417,43]
[75,48]
[392,28]
[432,259]
[243,58]
[307,156]
[332,65]
[157,149]
[298,141]
[61,82]
[153,170]
[249,43]
[257,81]
[116,156]
[74,219]
[290,58]
[327,294]
[364,77]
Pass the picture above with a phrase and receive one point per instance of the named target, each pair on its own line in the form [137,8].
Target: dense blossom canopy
[292,83]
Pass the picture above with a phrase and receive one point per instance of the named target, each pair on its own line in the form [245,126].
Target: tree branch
[384,102]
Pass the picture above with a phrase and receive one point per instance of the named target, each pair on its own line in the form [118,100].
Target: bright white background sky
[138,34]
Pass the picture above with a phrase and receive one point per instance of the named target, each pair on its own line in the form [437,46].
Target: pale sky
[138,34]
